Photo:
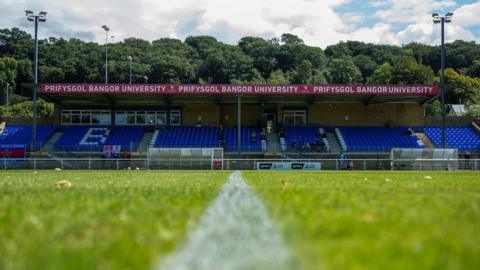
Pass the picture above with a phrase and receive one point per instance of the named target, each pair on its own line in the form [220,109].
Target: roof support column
[239,123]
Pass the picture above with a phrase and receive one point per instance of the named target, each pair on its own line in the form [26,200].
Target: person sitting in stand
[308,147]
[410,132]
[263,135]
[3,128]
[283,134]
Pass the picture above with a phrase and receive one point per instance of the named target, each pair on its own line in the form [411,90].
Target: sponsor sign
[266,165]
[238,89]
[12,151]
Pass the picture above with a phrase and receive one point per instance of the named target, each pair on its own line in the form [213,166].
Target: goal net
[185,158]
[424,159]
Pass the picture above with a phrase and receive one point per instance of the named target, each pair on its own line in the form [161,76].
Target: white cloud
[315,21]
[467,15]
[408,11]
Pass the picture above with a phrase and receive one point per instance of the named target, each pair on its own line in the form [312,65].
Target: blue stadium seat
[463,138]
[247,144]
[206,137]
[187,137]
[22,134]
[377,139]
[93,138]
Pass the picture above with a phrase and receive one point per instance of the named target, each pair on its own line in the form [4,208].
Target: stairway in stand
[334,143]
[273,143]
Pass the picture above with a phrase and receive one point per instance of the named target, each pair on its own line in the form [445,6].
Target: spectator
[3,127]
[308,147]
[410,132]
[253,137]
[342,158]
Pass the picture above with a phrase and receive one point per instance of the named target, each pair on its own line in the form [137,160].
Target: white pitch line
[234,233]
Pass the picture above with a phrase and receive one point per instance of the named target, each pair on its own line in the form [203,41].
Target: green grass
[106,220]
[330,220]
[339,220]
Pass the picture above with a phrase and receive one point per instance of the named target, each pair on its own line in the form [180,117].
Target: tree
[8,71]
[474,111]
[461,88]
[366,65]
[291,39]
[382,75]
[474,69]
[277,77]
[434,109]
[343,71]
[406,70]
[303,73]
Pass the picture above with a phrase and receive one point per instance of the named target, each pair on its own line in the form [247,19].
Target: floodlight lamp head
[448,17]
[42,13]
[106,28]
[28,12]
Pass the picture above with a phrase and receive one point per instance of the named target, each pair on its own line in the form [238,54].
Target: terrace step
[334,143]
[273,143]
[48,145]
[426,141]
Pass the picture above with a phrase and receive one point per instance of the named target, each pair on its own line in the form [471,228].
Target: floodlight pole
[42,17]
[106,28]
[442,80]
[442,20]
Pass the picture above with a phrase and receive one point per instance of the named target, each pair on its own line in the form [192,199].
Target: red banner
[235,89]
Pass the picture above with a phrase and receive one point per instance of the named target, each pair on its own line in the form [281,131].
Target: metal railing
[186,163]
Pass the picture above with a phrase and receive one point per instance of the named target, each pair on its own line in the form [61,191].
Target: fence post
[61,163]
[34,163]
[476,164]
[89,164]
[5,164]
[145,164]
[118,166]
[336,164]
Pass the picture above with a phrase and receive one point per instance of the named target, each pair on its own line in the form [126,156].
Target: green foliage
[434,109]
[459,87]
[382,75]
[406,70]
[473,111]
[25,109]
[8,71]
[343,71]
[203,59]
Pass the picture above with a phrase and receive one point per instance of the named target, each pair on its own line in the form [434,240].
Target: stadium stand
[187,137]
[463,138]
[299,135]
[22,135]
[377,139]
[88,138]
[247,143]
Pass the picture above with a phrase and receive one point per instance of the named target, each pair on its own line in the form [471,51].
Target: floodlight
[106,28]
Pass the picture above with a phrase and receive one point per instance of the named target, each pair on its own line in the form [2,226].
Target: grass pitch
[330,220]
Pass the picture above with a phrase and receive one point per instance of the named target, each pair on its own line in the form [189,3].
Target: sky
[317,22]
